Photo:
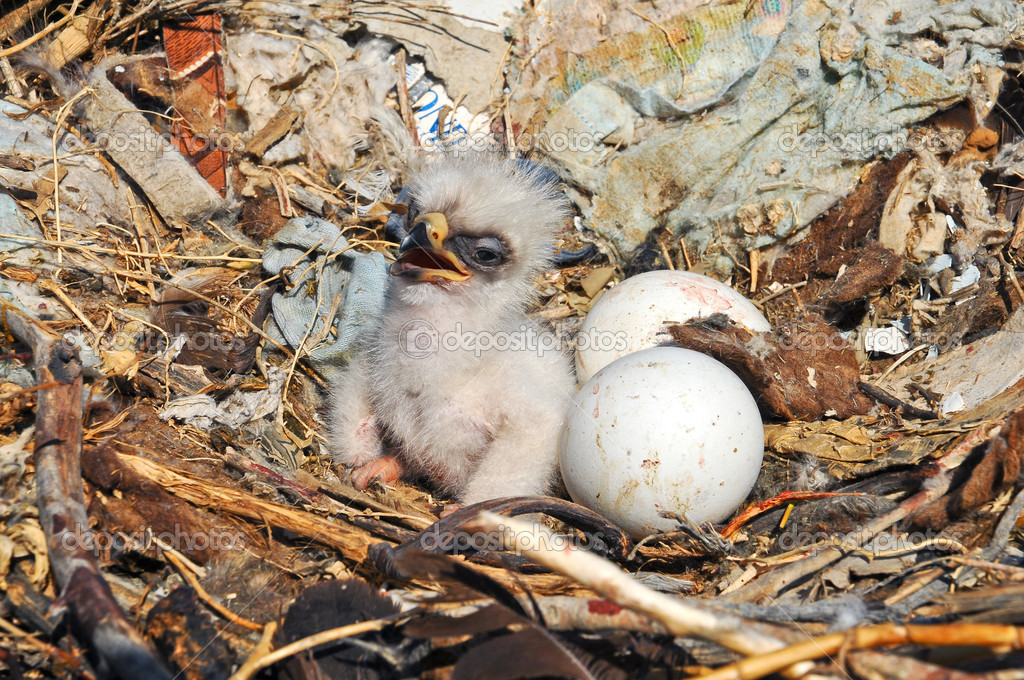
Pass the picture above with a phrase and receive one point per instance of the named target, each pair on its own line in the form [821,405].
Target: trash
[978,372]
[178,192]
[196,73]
[888,340]
[969,277]
[462,46]
[953,403]
[793,139]
[339,289]
[234,411]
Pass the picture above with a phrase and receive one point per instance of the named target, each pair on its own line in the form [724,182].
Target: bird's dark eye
[486,257]
[483,253]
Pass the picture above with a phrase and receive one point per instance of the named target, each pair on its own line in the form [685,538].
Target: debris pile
[198,201]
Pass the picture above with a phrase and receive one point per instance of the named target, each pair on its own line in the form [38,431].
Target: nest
[880,541]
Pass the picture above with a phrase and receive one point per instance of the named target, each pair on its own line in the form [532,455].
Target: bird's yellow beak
[422,254]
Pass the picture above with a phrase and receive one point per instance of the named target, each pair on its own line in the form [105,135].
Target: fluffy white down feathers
[454,380]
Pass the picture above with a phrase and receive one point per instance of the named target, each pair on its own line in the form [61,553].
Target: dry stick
[208,300]
[143,246]
[305,643]
[43,33]
[263,647]
[351,543]
[882,635]
[52,287]
[127,253]
[206,597]
[1008,268]
[565,612]
[58,123]
[404,105]
[604,577]
[55,653]
[774,581]
[97,620]
[1000,537]
[781,291]
[14,21]
[899,362]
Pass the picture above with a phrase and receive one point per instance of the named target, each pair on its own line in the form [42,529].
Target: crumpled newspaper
[846,83]
[332,284]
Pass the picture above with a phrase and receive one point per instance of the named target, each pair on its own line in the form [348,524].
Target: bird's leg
[387,468]
[355,433]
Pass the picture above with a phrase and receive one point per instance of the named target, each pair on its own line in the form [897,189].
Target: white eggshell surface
[632,315]
[663,429]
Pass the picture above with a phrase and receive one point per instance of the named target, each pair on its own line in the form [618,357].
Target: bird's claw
[386,468]
[449,509]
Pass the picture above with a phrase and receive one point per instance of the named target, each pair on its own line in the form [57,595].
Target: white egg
[633,315]
[662,430]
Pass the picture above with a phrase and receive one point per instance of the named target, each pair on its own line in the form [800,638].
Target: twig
[47,649]
[12,22]
[52,287]
[781,499]
[128,253]
[404,105]
[1010,274]
[350,542]
[880,395]
[882,635]
[604,577]
[774,581]
[312,641]
[263,647]
[205,596]
[99,621]
[781,291]
[43,33]
[58,123]
[208,300]
[899,362]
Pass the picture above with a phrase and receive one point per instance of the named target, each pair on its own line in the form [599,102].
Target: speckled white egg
[664,429]
[633,315]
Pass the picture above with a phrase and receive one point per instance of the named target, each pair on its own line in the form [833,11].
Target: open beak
[423,256]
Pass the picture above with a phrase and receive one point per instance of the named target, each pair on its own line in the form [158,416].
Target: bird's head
[479,228]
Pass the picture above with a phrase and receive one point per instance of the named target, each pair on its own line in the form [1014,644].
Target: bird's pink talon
[449,509]
[386,468]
